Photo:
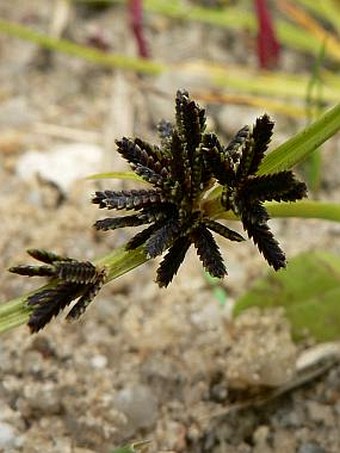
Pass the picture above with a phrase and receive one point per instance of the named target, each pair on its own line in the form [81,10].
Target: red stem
[135,8]
[268,47]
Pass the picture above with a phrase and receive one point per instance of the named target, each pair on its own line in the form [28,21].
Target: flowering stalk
[180,209]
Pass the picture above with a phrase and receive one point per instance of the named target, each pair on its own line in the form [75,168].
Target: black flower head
[181,170]
[180,175]
[74,280]
[244,192]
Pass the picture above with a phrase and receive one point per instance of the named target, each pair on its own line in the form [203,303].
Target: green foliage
[309,290]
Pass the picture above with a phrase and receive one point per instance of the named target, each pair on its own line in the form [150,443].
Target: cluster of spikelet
[180,172]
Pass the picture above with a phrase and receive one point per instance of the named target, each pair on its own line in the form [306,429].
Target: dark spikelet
[262,134]
[224,231]
[208,252]
[100,198]
[131,151]
[197,181]
[82,272]
[45,256]
[281,186]
[253,213]
[190,121]
[179,160]
[88,296]
[232,149]
[124,199]
[48,303]
[156,159]
[246,158]
[266,243]
[143,236]
[217,160]
[156,213]
[255,146]
[140,153]
[172,261]
[119,222]
[33,271]
[165,130]
[162,239]
[72,279]
[149,175]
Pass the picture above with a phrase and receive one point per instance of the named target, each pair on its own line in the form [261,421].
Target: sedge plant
[193,182]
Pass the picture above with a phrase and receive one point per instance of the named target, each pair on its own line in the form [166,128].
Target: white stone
[7,436]
[62,165]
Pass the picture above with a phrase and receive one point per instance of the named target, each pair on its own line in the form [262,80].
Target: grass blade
[303,144]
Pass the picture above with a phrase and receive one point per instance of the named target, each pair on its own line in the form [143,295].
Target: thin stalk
[306,209]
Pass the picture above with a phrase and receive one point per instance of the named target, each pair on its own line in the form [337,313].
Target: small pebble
[7,436]
[62,165]
[139,404]
[99,362]
[310,447]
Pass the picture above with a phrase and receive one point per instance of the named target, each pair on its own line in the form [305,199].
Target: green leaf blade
[309,291]
[303,144]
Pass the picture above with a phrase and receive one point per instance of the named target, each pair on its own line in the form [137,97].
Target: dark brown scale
[162,239]
[82,272]
[165,130]
[208,252]
[87,297]
[224,231]
[45,256]
[234,145]
[33,271]
[124,199]
[48,303]
[172,261]
[118,222]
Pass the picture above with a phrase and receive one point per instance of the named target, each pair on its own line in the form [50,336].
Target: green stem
[306,209]
[121,261]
